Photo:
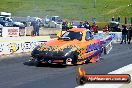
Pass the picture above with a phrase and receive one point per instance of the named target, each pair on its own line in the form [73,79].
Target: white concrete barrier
[116,36]
[11,45]
[10,31]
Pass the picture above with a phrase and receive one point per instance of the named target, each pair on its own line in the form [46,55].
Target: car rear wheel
[72,60]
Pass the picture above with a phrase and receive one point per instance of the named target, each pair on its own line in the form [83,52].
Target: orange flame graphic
[81,71]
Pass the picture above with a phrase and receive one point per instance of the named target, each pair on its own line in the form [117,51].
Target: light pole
[94,3]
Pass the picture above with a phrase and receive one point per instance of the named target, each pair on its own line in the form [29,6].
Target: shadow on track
[30,63]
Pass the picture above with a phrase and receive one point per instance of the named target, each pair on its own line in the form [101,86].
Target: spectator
[64,26]
[117,28]
[129,34]
[36,26]
[33,24]
[113,18]
[95,28]
[105,29]
[124,34]
[118,19]
[81,25]
[70,25]
[87,25]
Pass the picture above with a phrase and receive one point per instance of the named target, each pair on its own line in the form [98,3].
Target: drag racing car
[75,46]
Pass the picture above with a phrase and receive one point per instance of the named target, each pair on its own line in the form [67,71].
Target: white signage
[10,31]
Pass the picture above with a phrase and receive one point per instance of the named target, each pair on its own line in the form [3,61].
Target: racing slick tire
[75,58]
[72,59]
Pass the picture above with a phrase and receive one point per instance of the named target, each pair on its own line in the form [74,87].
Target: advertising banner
[11,45]
[116,36]
[10,31]
[18,47]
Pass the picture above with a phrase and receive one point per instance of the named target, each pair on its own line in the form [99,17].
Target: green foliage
[103,10]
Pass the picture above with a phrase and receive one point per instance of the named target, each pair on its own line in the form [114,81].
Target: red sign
[12,32]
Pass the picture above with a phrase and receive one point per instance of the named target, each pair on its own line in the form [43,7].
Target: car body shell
[68,52]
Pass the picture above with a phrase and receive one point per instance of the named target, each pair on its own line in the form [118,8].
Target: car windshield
[70,35]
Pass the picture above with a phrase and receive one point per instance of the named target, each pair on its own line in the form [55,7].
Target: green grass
[69,9]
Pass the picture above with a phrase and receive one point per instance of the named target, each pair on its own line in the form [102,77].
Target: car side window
[88,36]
